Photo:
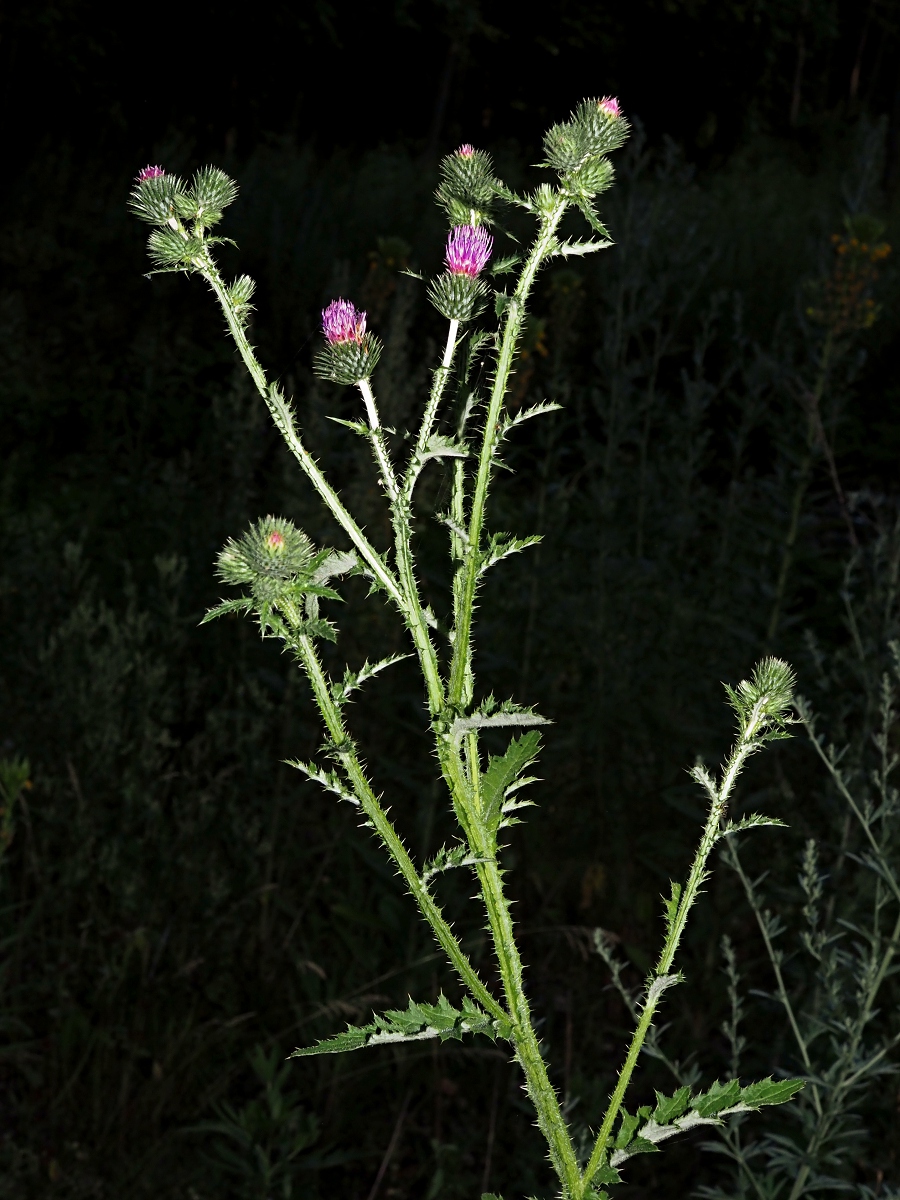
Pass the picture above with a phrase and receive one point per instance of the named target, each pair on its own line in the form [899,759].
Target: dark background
[179,909]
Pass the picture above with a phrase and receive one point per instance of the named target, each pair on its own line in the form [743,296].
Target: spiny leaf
[507,714]
[566,249]
[770,1091]
[719,1096]
[417,1022]
[439,446]
[627,1127]
[525,414]
[683,1112]
[243,604]
[751,822]
[503,772]
[446,860]
[330,780]
[670,1107]
[498,549]
[672,905]
[355,679]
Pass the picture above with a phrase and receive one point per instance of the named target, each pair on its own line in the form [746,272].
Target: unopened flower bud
[275,541]
[468,249]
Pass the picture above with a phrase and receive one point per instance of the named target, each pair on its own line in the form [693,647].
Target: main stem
[541,1091]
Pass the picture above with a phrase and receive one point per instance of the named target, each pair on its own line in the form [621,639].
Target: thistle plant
[286,581]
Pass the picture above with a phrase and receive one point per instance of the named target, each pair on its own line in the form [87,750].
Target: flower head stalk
[468,250]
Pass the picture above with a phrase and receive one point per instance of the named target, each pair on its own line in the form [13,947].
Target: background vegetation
[179,909]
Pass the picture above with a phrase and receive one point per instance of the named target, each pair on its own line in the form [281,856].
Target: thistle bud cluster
[350,353]
[459,294]
[468,188]
[594,129]
[181,212]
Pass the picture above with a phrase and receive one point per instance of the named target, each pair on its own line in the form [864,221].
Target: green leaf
[509,422]
[355,679]
[446,860]
[504,265]
[640,1145]
[607,1174]
[626,1129]
[502,546]
[503,772]
[242,604]
[672,905]
[770,1091]
[670,1107]
[587,211]
[751,822]
[417,1022]
[330,780]
[719,1096]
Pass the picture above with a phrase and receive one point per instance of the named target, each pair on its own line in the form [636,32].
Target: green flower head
[273,557]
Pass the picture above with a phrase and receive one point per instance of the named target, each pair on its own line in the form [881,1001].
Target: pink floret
[465,151]
[468,249]
[610,105]
[342,322]
[149,173]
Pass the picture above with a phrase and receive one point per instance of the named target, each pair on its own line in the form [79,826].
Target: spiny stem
[283,420]
[401,521]
[540,1089]
[657,985]
[347,754]
[515,316]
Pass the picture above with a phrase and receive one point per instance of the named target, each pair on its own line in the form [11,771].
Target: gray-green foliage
[280,565]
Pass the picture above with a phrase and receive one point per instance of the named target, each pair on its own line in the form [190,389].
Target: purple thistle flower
[341,322]
[466,151]
[468,249]
[149,173]
[610,105]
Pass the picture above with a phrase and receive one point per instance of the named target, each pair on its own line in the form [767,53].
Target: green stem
[515,316]
[540,1089]
[283,418]
[345,750]
[401,520]
[661,978]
